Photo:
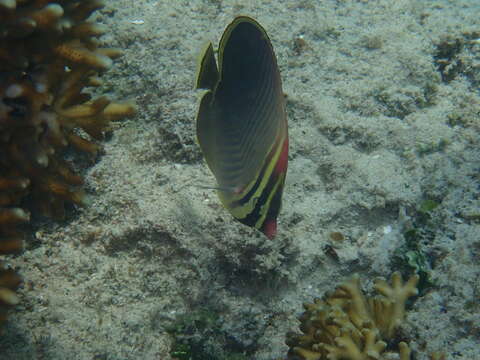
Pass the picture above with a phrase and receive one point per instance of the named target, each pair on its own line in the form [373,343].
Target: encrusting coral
[48,54]
[347,325]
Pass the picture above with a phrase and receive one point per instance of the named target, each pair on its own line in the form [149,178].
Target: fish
[241,124]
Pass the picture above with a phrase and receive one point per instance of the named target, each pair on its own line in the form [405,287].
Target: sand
[384,116]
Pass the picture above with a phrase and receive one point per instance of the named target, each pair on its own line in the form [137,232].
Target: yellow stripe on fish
[242,124]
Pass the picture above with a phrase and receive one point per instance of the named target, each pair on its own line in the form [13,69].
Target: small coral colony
[49,56]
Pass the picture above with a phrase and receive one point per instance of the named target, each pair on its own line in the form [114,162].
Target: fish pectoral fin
[207,73]
[217,187]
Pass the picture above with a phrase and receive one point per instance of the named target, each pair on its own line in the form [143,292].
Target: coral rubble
[49,54]
[347,325]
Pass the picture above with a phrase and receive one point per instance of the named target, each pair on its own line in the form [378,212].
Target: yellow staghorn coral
[346,325]
[49,54]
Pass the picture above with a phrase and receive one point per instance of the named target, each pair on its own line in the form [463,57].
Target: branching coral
[9,282]
[49,54]
[347,325]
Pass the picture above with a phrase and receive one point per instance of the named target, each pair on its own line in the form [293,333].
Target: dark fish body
[242,124]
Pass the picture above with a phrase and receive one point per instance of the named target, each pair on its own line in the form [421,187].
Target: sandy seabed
[383,105]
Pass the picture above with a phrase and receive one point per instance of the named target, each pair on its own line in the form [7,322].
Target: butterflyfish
[242,124]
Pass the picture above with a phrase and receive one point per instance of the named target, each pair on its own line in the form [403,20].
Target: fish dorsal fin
[207,71]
